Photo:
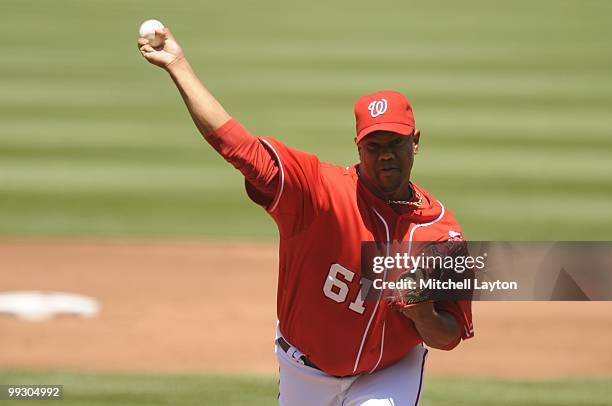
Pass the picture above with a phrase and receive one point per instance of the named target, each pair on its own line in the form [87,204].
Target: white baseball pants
[398,385]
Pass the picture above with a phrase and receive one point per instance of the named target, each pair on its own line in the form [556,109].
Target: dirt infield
[199,307]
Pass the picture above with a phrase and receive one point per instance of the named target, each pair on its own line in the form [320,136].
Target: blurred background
[513,100]
[100,161]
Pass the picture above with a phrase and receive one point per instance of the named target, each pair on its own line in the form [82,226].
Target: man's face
[386,159]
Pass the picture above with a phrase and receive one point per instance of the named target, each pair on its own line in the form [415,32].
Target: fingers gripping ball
[147,31]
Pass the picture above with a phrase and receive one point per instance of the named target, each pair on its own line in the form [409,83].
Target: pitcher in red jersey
[333,347]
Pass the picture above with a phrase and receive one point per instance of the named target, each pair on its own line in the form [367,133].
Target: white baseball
[147,30]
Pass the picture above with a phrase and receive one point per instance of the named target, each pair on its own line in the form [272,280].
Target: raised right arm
[224,134]
[206,112]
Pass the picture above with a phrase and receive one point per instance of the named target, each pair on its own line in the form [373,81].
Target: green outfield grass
[514,100]
[186,390]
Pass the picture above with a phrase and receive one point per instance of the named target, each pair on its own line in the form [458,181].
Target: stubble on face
[386,163]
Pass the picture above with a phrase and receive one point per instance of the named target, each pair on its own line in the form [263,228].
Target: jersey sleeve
[285,181]
[299,191]
[247,154]
[461,310]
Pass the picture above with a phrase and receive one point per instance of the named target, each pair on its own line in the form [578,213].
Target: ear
[415,141]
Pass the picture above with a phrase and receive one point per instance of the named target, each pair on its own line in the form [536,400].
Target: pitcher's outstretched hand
[165,54]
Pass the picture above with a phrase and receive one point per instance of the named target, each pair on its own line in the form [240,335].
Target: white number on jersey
[337,289]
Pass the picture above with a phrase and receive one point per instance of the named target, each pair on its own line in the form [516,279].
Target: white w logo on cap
[377,107]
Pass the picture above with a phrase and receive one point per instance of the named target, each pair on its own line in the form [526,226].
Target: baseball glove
[430,280]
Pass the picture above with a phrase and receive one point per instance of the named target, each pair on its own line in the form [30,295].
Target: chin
[388,189]
[388,185]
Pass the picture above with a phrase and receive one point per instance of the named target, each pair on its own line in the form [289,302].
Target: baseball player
[334,347]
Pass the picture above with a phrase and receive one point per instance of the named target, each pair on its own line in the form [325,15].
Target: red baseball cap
[386,110]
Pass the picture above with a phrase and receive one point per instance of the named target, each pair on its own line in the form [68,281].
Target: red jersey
[323,213]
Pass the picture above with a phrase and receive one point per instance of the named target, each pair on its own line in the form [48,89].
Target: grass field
[152,390]
[514,101]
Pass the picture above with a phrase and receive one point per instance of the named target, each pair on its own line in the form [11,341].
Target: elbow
[452,345]
[446,341]
[444,346]
[450,336]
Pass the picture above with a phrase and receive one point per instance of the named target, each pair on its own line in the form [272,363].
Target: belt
[294,353]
